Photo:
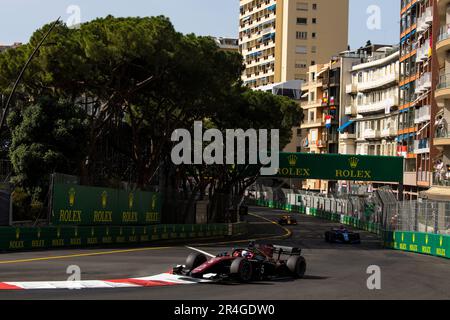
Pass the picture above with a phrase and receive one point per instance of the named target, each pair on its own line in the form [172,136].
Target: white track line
[201,251]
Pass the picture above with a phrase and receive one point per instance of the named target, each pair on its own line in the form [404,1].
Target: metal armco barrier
[417,242]
[12,239]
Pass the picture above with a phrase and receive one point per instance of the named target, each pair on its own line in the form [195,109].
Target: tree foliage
[103,100]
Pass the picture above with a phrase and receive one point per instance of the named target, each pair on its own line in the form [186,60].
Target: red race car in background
[254,263]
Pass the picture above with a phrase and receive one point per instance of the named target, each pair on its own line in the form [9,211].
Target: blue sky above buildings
[19,18]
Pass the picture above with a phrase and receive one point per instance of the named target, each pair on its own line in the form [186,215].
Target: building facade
[374,102]
[323,100]
[419,69]
[14,45]
[280,39]
[227,44]
[441,118]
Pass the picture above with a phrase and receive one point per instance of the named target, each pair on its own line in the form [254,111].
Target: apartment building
[227,44]
[374,103]
[418,80]
[280,39]
[313,126]
[440,119]
[14,45]
[323,97]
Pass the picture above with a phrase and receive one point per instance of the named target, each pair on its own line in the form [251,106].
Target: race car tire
[297,266]
[195,260]
[241,269]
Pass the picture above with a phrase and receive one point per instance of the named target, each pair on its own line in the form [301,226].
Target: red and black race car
[255,263]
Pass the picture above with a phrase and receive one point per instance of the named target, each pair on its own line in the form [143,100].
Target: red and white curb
[161,280]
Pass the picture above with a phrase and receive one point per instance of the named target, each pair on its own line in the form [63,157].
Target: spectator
[447,174]
[438,171]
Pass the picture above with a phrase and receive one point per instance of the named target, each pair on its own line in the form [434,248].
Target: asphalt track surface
[334,271]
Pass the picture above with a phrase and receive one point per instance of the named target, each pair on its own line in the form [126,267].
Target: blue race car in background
[342,235]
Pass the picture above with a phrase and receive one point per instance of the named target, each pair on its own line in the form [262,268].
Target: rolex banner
[81,205]
[337,167]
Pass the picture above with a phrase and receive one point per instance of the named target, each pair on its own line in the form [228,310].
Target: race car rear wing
[287,251]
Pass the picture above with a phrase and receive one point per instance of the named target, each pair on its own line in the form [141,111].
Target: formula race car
[287,221]
[342,235]
[255,263]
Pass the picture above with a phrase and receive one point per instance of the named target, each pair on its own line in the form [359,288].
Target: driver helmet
[245,253]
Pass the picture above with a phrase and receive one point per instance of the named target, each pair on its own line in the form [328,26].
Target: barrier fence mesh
[422,216]
[379,207]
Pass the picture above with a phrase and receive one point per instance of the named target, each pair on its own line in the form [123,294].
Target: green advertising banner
[424,243]
[81,205]
[14,239]
[337,167]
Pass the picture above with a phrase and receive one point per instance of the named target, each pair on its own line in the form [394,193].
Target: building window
[302,35]
[314,6]
[314,20]
[302,6]
[314,35]
[301,49]
[313,49]
[302,21]
[300,65]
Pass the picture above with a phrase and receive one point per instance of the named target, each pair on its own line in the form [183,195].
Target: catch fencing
[422,216]
[418,226]
[373,207]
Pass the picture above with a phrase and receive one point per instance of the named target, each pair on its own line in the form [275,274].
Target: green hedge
[423,243]
[65,237]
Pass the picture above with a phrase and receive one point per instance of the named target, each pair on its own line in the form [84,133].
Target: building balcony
[312,84]
[311,104]
[423,84]
[423,114]
[443,89]
[442,138]
[443,45]
[389,132]
[422,151]
[379,83]
[421,146]
[440,179]
[425,20]
[350,110]
[442,7]
[424,179]
[347,136]
[370,134]
[442,142]
[312,124]
[351,88]
[384,105]
[410,178]
[423,52]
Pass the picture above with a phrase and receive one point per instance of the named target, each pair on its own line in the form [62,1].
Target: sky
[377,20]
